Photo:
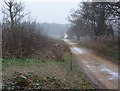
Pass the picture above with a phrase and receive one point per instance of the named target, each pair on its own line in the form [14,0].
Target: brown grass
[46,68]
[106,47]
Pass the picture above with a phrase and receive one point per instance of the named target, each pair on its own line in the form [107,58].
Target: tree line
[95,19]
[20,37]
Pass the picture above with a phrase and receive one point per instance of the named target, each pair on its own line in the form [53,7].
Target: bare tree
[98,18]
[13,11]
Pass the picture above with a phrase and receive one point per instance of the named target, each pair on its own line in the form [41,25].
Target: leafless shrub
[23,40]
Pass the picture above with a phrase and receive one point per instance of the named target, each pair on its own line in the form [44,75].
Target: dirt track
[101,71]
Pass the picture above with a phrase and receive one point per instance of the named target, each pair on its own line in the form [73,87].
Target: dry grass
[46,68]
[105,47]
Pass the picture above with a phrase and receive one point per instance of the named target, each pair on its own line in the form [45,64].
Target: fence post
[70,56]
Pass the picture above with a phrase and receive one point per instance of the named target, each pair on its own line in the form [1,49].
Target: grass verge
[109,50]
[47,74]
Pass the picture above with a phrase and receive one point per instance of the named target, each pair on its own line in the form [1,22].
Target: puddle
[85,62]
[92,68]
[73,51]
[71,43]
[88,66]
[65,35]
[65,40]
[113,74]
[78,50]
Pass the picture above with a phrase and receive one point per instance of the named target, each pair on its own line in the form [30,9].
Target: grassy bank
[50,74]
[107,49]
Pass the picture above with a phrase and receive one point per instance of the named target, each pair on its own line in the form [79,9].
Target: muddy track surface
[101,71]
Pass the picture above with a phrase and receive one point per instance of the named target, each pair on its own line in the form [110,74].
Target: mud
[101,70]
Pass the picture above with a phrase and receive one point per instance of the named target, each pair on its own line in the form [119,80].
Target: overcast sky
[51,12]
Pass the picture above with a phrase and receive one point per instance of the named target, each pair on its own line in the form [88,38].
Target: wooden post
[71,57]
[71,60]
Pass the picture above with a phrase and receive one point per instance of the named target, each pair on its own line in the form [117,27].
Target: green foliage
[22,81]
[31,81]
[44,74]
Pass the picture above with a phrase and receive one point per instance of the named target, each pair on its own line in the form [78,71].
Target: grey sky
[51,12]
